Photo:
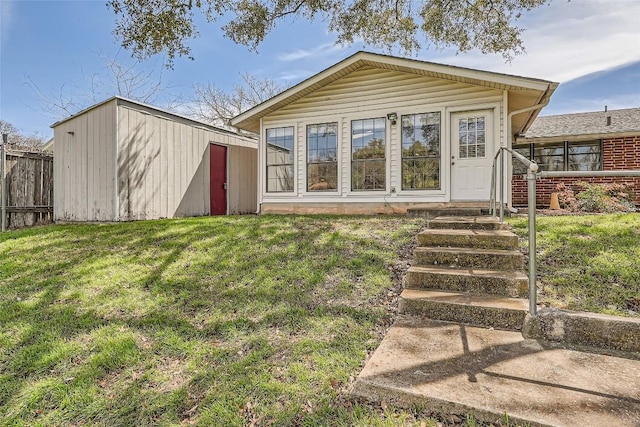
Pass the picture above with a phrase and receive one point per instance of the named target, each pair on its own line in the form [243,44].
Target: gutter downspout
[540,106]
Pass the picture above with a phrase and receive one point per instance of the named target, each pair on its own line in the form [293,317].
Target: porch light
[392,118]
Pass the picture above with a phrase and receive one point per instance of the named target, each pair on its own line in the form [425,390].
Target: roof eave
[246,120]
[575,138]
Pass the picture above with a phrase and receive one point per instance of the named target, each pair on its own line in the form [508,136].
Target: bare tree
[18,140]
[217,106]
[127,78]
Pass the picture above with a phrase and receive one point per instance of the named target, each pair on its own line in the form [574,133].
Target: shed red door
[218,179]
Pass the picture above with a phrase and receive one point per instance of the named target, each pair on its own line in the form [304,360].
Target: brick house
[594,141]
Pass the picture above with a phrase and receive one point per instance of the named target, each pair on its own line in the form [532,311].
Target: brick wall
[617,153]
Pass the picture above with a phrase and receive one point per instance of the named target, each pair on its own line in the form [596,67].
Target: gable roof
[584,125]
[542,89]
[152,109]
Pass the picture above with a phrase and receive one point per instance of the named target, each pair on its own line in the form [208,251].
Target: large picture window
[322,159]
[561,156]
[421,151]
[280,159]
[368,148]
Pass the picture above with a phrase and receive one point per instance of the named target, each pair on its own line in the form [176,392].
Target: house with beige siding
[381,134]
[121,160]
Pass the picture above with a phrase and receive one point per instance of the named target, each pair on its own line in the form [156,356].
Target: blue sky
[592,47]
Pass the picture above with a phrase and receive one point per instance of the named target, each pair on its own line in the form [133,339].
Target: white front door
[472,150]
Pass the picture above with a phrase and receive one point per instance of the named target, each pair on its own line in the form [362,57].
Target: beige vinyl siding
[84,166]
[373,89]
[242,174]
[164,167]
[128,161]
[369,93]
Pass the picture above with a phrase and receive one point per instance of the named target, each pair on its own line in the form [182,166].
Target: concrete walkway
[454,368]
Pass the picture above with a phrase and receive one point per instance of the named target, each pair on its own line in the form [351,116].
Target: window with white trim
[368,154]
[279,159]
[322,157]
[421,151]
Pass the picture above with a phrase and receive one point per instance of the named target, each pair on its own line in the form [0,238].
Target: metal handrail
[532,168]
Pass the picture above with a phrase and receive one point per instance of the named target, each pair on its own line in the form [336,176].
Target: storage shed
[121,160]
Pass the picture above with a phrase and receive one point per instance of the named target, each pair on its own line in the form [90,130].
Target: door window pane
[471,138]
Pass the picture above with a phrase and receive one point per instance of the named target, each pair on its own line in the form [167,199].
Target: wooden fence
[29,198]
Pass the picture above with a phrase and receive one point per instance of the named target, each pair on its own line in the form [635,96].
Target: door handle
[225,186]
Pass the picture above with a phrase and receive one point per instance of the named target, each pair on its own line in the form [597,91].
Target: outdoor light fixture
[392,118]
[71,133]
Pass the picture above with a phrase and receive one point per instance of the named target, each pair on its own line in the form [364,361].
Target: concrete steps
[482,239]
[467,223]
[465,344]
[496,259]
[469,270]
[430,213]
[497,282]
[475,309]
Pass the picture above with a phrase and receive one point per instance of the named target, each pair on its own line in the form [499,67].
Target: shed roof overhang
[522,91]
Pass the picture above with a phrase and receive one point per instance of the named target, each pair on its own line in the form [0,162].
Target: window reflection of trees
[279,159]
[421,151]
[562,156]
[322,159]
[368,150]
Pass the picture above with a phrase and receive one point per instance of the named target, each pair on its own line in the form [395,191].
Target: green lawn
[588,262]
[237,321]
[209,321]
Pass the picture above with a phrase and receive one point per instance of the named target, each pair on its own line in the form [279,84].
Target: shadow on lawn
[77,301]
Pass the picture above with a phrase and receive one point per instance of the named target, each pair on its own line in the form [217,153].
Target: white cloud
[567,40]
[6,17]
[314,52]
[295,76]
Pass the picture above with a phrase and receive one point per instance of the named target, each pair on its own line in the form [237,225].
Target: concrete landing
[453,368]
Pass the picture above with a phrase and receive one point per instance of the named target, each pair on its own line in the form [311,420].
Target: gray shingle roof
[592,123]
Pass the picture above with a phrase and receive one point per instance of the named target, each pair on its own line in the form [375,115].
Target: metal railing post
[531,193]
[501,185]
[492,193]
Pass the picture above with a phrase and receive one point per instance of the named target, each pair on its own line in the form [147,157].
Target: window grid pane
[279,159]
[549,158]
[584,156]
[471,137]
[368,153]
[421,151]
[518,167]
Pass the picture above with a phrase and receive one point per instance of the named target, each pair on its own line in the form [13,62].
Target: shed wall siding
[370,93]
[164,167]
[242,175]
[84,166]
